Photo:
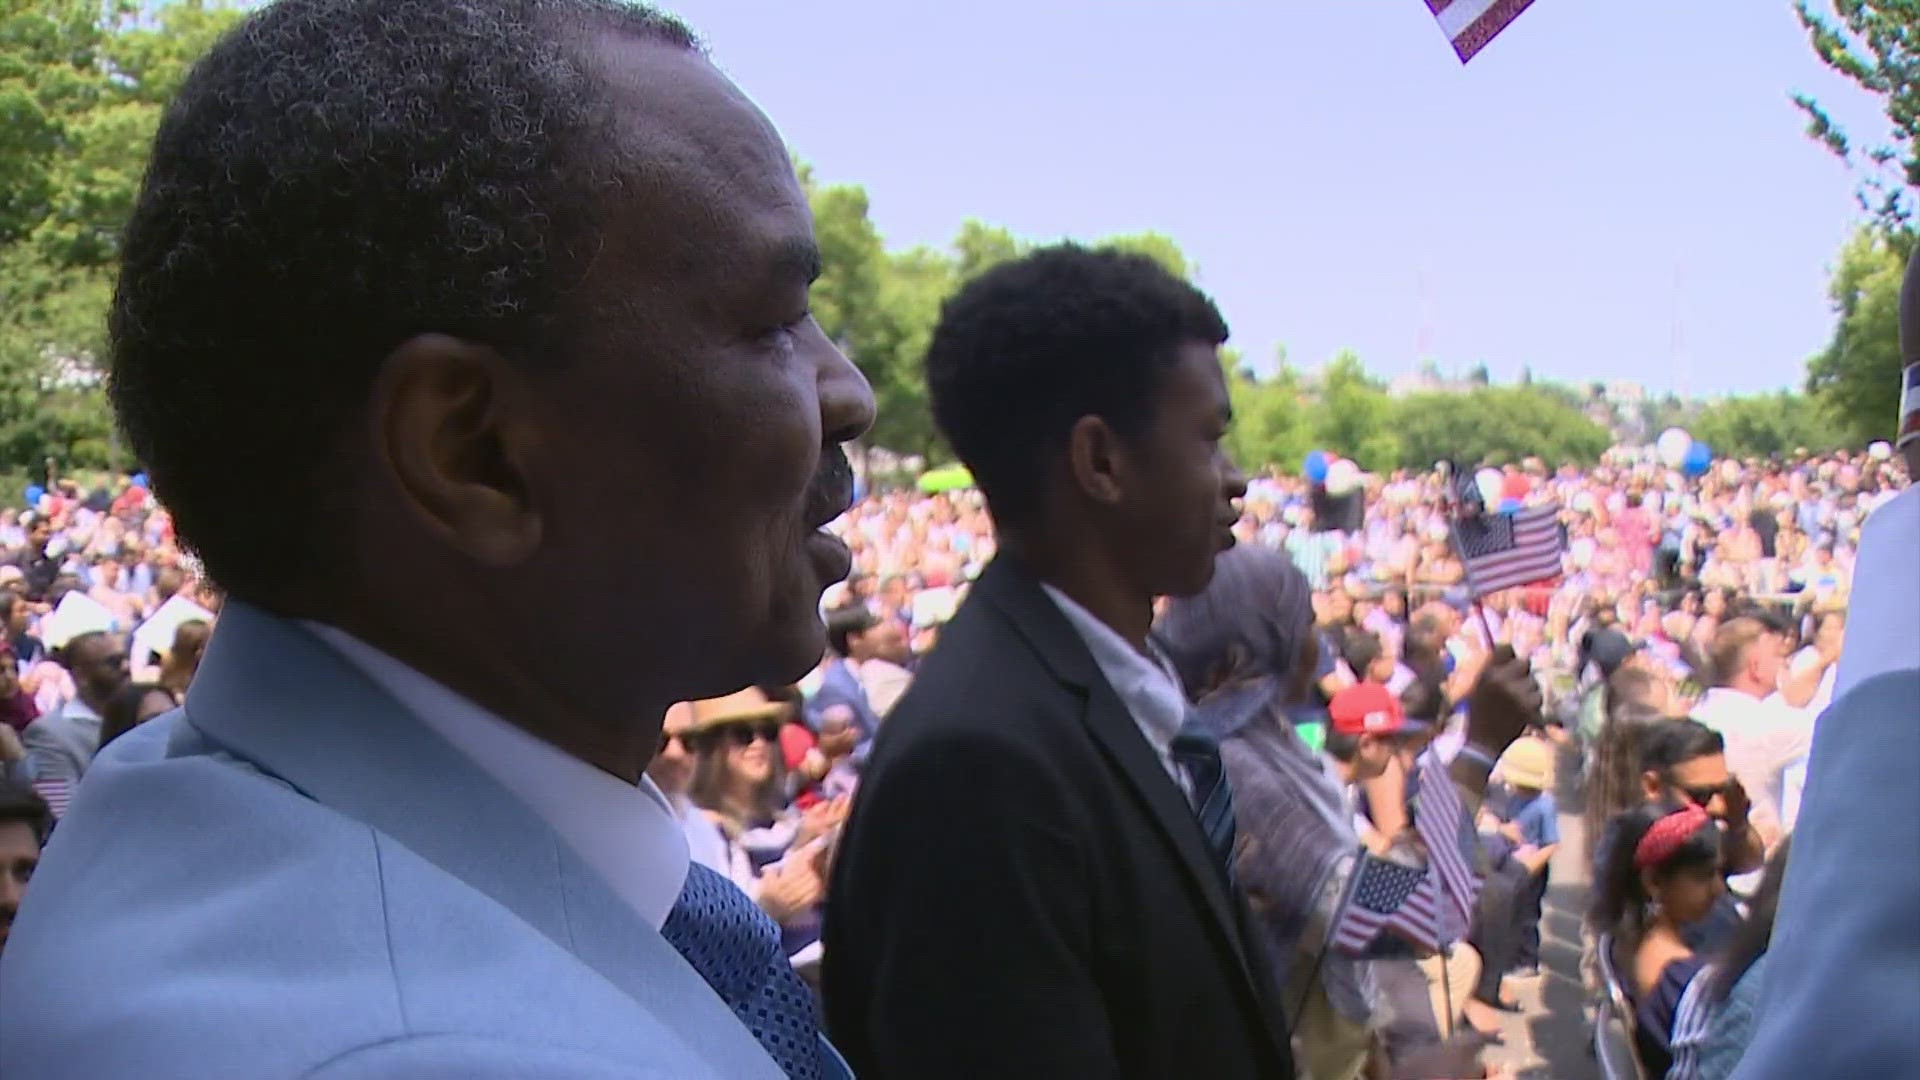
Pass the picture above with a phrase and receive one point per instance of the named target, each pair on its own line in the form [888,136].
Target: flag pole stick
[1485,627]
[1313,974]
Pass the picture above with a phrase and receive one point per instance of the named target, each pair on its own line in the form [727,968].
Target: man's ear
[449,425]
[1097,460]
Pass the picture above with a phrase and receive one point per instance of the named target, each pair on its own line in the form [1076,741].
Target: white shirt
[1883,620]
[1763,737]
[627,833]
[1146,687]
[1803,661]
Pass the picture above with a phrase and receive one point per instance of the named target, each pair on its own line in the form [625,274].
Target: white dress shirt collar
[628,834]
[1148,689]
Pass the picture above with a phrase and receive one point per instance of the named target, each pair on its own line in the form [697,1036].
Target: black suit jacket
[1022,890]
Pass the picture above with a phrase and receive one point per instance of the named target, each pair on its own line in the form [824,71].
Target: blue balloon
[1315,467]
[34,494]
[1509,505]
[1698,460]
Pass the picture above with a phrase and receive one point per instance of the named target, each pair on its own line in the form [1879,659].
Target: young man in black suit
[1033,881]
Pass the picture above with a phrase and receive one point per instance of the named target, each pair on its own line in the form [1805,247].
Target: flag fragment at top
[1470,24]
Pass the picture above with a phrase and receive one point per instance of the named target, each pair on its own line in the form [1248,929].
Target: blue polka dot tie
[736,948]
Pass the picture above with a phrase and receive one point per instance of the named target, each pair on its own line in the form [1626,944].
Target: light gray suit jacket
[61,744]
[293,877]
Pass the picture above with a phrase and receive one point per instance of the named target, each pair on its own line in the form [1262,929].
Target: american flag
[1505,551]
[1441,820]
[1470,24]
[1388,896]
[57,793]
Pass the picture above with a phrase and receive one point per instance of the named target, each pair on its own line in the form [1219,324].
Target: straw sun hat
[745,706]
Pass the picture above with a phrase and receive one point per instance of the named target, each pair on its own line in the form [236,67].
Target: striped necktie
[1198,752]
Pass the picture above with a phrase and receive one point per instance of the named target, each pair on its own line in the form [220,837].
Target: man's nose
[846,398]
[1234,482]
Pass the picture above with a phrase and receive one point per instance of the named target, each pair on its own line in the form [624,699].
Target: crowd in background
[1684,653]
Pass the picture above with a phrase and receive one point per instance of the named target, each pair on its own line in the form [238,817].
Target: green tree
[1156,246]
[82,86]
[1876,45]
[981,246]
[918,281]
[1855,380]
[1353,416]
[1495,424]
[1761,424]
[1270,424]
[879,308]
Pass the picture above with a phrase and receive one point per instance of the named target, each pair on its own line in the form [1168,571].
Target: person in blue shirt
[1530,825]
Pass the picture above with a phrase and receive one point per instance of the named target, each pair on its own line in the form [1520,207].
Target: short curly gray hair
[335,177]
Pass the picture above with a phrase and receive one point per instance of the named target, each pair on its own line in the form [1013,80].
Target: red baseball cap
[1368,708]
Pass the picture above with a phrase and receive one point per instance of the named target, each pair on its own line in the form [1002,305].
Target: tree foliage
[1855,380]
[1496,424]
[82,85]
[1876,45]
[1764,424]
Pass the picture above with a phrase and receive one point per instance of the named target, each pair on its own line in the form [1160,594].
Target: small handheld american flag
[1441,820]
[1507,550]
[1388,896]
[1470,24]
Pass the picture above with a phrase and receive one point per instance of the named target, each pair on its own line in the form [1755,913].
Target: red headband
[1666,836]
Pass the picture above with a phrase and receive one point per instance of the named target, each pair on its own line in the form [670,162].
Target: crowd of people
[1692,637]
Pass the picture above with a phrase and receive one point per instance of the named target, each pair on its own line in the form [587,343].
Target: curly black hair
[335,177]
[1029,347]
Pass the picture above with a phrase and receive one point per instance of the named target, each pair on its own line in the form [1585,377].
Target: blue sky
[1610,190]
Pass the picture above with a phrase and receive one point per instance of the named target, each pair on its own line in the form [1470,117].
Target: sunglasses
[742,733]
[1701,796]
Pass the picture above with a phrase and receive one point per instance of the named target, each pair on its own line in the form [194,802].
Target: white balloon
[1489,481]
[1673,445]
[1880,451]
[1342,477]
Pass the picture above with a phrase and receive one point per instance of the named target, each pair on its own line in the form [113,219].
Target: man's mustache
[832,490]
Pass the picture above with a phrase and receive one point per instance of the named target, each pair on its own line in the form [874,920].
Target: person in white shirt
[1809,678]
[1764,734]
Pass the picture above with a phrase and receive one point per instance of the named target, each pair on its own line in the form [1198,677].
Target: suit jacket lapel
[1014,590]
[278,698]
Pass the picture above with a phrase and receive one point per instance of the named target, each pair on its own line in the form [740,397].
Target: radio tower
[1423,335]
[1679,345]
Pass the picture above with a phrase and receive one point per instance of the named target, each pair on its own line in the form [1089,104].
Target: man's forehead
[686,134]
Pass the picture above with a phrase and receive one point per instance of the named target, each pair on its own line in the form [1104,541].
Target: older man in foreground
[505,304]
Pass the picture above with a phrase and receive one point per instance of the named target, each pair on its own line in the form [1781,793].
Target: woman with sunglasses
[1663,874]
[745,829]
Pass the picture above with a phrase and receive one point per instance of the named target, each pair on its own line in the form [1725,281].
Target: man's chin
[792,651]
